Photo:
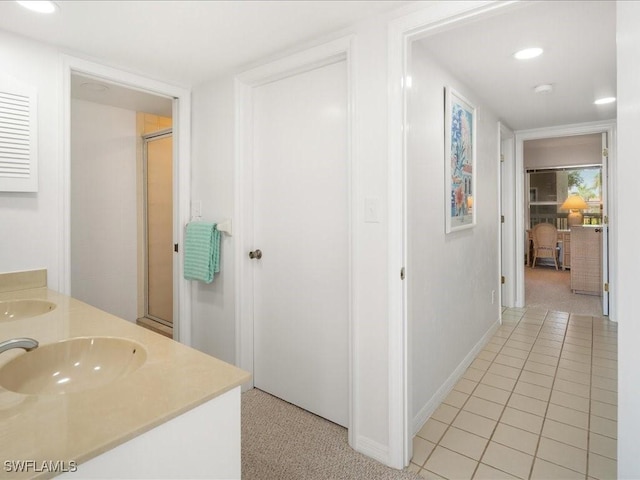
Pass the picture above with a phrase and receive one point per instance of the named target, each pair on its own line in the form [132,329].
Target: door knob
[257,254]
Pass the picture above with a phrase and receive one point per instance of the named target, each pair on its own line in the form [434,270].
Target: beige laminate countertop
[81,425]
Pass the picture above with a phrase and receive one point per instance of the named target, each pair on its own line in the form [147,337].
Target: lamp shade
[574,202]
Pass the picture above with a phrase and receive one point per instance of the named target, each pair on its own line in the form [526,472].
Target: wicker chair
[545,243]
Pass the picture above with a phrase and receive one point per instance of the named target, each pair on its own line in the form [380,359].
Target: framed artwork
[460,162]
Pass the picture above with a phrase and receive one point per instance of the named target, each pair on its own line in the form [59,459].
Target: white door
[301,282]
[605,226]
[507,209]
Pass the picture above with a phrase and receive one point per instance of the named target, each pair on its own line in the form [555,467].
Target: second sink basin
[17,309]
[72,365]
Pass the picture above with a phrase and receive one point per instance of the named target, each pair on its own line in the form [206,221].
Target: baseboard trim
[372,449]
[425,412]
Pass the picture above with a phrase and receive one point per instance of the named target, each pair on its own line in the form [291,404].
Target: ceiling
[98,91]
[579,60]
[190,42]
[185,42]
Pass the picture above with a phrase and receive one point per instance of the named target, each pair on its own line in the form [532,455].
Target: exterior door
[301,211]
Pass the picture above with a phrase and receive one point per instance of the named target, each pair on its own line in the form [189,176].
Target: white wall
[450,276]
[628,230]
[213,311]
[561,155]
[371,278]
[104,258]
[31,223]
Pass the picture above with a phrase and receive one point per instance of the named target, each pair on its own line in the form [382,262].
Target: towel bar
[225,227]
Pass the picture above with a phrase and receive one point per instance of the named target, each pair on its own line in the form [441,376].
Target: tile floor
[539,402]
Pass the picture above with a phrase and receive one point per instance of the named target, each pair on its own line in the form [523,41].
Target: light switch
[372,210]
[196,208]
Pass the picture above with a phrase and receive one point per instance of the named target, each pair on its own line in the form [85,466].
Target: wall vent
[18,137]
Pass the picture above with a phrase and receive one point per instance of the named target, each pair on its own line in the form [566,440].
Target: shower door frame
[146,138]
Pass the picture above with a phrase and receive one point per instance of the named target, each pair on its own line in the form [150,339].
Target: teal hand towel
[201,251]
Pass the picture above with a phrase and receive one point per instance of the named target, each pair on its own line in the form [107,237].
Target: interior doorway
[449,51]
[561,171]
[110,239]
[567,160]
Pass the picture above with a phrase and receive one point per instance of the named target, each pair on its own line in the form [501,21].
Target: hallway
[538,402]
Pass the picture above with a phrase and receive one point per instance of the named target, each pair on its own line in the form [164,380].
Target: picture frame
[460,162]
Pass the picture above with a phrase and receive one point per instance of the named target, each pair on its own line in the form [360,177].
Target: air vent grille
[15,136]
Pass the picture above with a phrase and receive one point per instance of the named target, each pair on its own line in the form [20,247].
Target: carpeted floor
[548,288]
[283,442]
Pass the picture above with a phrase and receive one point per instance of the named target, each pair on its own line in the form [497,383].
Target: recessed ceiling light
[545,88]
[528,53]
[40,6]
[605,100]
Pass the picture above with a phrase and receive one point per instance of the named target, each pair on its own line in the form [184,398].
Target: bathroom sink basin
[72,365]
[17,309]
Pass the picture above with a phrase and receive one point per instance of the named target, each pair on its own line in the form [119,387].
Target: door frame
[608,127]
[181,170]
[401,33]
[245,83]
[146,138]
[508,211]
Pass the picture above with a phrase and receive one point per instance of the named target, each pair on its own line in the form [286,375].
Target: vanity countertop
[81,425]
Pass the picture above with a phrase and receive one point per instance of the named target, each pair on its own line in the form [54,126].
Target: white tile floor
[539,402]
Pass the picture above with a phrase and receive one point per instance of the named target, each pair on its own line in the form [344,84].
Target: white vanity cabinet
[176,416]
[201,443]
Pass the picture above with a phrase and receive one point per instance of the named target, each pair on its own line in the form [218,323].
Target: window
[549,188]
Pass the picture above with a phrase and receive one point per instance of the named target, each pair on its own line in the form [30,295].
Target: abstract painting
[460,162]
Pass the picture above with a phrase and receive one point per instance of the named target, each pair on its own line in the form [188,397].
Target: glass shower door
[159,229]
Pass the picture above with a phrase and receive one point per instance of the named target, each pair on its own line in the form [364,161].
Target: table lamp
[574,203]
